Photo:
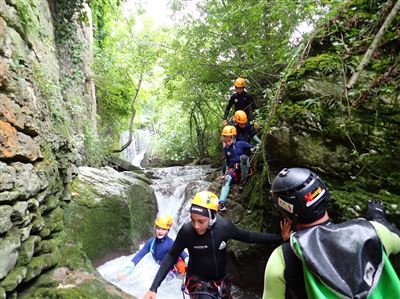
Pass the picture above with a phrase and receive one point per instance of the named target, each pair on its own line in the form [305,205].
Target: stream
[174,189]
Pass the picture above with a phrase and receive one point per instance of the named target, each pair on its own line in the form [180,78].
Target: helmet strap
[212,219]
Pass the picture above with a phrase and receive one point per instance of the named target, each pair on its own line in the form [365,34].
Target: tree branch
[373,46]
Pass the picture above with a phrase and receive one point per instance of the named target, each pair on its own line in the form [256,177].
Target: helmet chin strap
[212,220]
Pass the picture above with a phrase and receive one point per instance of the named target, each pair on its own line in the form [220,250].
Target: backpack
[345,260]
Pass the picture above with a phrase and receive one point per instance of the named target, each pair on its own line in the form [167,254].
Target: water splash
[174,189]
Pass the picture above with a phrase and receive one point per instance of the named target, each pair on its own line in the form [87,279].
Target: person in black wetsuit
[206,238]
[240,100]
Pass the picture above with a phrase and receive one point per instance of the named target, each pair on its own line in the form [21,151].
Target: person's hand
[122,275]
[221,179]
[375,208]
[150,295]
[225,122]
[286,229]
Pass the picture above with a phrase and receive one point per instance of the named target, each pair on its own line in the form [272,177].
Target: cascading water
[174,189]
[137,149]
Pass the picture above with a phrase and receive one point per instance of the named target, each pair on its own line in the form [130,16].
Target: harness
[216,289]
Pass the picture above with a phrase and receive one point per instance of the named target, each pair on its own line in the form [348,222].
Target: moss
[326,63]
[27,249]
[13,279]
[87,290]
[90,213]
[40,263]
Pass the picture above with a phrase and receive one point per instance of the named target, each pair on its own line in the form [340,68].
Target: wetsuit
[208,252]
[243,101]
[235,151]
[158,248]
[284,277]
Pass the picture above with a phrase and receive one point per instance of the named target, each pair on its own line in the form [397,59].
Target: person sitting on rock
[237,162]
[158,246]
[243,129]
[241,100]
[206,238]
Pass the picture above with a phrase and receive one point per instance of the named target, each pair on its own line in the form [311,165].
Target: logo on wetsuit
[222,245]
[200,247]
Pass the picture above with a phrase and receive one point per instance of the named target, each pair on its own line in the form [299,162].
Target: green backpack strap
[389,284]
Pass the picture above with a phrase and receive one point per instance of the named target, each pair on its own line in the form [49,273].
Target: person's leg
[244,169]
[225,189]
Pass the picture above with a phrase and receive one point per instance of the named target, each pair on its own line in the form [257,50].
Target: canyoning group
[314,257]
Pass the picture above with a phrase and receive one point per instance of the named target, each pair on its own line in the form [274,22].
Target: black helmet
[300,194]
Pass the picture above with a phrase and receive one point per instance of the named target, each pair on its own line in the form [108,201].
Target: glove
[375,209]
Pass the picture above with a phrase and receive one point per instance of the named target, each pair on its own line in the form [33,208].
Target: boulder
[109,212]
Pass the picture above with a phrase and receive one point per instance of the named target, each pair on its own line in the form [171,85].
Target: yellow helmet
[240,117]
[229,131]
[240,82]
[206,199]
[164,221]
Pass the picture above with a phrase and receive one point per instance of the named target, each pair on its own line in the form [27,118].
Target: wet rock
[27,181]
[25,232]
[19,210]
[40,263]
[9,253]
[7,177]
[14,144]
[13,279]
[5,219]
[118,205]
[27,249]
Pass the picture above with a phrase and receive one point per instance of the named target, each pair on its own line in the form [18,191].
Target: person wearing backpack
[327,260]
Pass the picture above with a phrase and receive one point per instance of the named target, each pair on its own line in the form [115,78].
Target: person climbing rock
[237,163]
[327,260]
[240,100]
[243,129]
[206,238]
[158,246]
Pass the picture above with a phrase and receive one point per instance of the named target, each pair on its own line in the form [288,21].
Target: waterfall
[174,189]
[138,147]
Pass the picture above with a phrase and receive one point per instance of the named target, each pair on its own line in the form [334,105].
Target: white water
[173,191]
[136,150]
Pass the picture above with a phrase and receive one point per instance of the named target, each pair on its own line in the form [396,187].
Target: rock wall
[37,137]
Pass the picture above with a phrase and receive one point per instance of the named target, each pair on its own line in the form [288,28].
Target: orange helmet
[240,117]
[240,82]
[164,221]
[229,131]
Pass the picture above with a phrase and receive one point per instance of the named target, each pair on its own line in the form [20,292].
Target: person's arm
[253,237]
[145,249]
[169,260]
[274,281]
[228,107]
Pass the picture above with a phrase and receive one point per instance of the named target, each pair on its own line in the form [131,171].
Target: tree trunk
[373,45]
[133,113]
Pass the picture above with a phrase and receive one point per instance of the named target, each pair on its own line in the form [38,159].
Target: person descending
[206,237]
[158,246]
[327,260]
[243,129]
[240,100]
[237,162]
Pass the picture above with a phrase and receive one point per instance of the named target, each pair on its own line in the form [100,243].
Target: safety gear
[300,194]
[240,117]
[164,221]
[240,83]
[229,131]
[206,199]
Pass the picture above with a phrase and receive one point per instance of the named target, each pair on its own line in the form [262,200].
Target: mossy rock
[111,215]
